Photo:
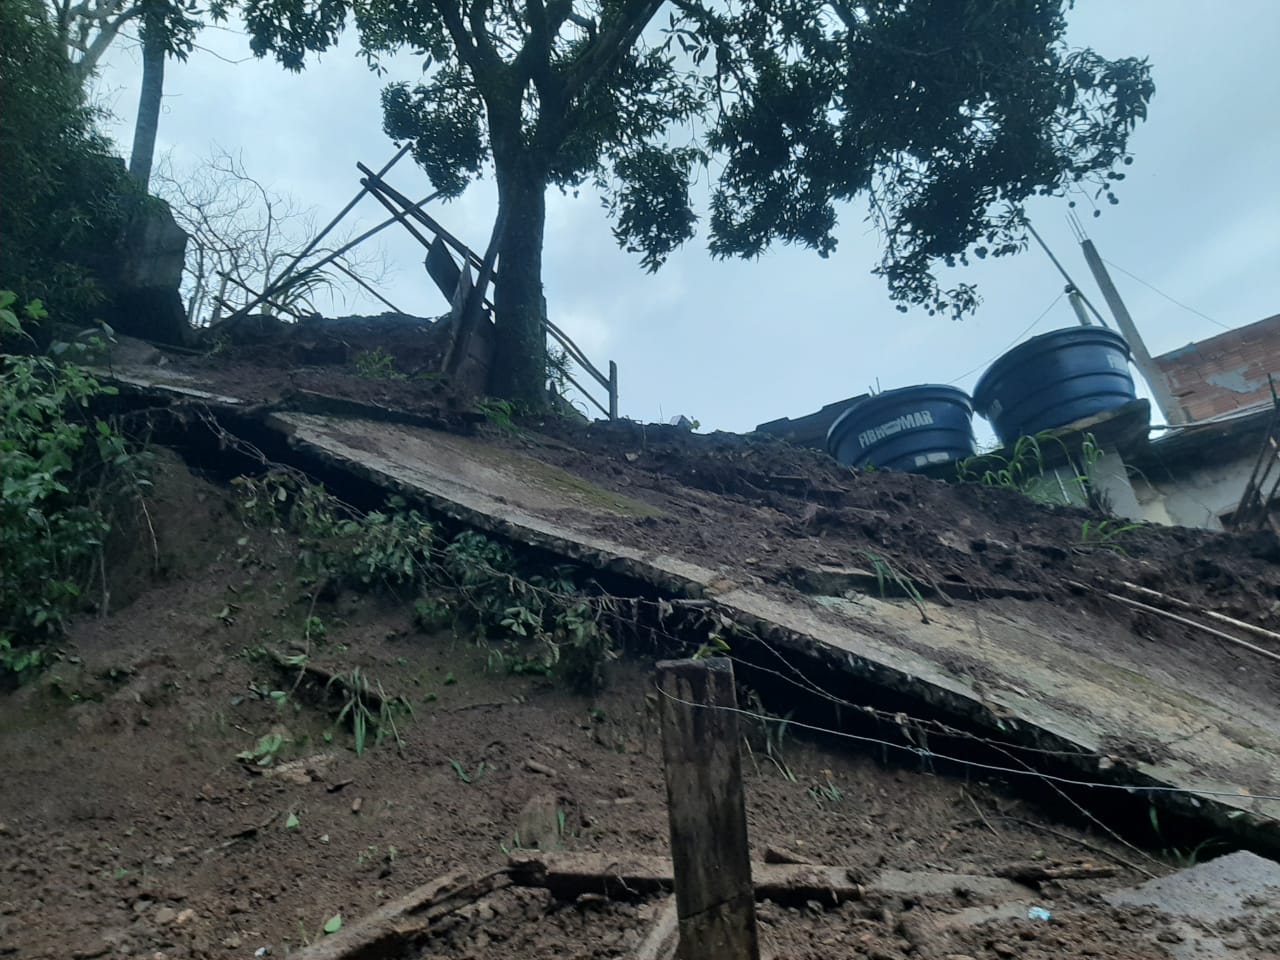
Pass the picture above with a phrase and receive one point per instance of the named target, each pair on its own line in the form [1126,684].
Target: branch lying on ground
[391,929]
[1034,871]
[1164,598]
[1176,618]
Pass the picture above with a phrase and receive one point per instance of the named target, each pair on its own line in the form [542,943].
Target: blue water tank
[1055,379]
[911,428]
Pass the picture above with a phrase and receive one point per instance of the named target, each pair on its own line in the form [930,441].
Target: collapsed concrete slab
[1109,711]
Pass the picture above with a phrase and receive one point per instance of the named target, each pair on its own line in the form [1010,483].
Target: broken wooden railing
[467,297]
[471,311]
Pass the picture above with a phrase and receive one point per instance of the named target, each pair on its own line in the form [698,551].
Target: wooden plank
[706,809]
[660,944]
[568,875]
[442,269]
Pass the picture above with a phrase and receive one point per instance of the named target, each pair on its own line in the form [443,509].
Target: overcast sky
[734,344]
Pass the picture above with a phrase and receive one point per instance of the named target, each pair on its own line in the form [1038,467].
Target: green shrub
[61,468]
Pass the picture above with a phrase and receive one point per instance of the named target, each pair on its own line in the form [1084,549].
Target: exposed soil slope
[129,828]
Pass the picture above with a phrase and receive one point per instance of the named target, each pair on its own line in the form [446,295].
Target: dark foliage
[945,115]
[64,198]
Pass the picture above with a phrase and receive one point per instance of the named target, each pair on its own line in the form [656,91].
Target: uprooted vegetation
[67,474]
[529,620]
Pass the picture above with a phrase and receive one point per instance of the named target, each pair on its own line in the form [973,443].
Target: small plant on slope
[61,471]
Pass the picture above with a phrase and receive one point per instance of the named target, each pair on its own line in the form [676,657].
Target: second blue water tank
[1055,379]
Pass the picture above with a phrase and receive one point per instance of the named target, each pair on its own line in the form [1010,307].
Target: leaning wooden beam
[1185,621]
[569,875]
[392,928]
[1222,618]
[315,241]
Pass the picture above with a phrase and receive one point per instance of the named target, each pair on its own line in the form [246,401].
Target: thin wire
[1034,323]
[991,767]
[937,726]
[1177,303]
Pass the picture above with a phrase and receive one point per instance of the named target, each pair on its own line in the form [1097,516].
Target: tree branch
[618,34]
[468,52]
[106,34]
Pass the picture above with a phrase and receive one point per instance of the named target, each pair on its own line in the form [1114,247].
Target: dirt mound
[777,508]
[129,826]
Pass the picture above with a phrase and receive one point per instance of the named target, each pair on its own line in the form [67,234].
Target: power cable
[1177,303]
[1031,326]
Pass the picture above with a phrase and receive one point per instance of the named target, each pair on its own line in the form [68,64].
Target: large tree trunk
[148,123]
[519,371]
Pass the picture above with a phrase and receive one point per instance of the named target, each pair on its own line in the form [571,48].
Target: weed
[773,731]
[368,708]
[461,771]
[63,472]
[1105,534]
[432,614]
[22,661]
[265,751]
[887,574]
[313,628]
[1024,470]
[535,623]
[377,364]
[499,413]
[1184,857]
[715,646]
[826,791]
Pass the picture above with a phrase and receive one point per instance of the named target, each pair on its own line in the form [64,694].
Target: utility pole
[1142,358]
[1077,304]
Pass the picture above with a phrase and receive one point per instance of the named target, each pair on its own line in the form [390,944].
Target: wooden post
[703,768]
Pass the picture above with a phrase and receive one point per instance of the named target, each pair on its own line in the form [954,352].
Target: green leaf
[333,924]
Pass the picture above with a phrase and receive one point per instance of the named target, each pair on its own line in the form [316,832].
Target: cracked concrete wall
[1196,497]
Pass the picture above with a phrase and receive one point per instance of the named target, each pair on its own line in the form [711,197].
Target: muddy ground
[768,514]
[773,507]
[129,828]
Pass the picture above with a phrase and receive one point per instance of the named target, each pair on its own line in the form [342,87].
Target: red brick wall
[1225,372]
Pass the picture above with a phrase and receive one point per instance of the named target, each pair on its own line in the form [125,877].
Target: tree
[240,229]
[87,28]
[945,116]
[66,198]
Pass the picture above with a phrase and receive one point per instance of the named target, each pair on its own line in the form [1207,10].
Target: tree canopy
[65,195]
[945,115]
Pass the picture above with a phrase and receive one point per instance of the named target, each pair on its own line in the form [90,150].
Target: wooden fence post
[715,899]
